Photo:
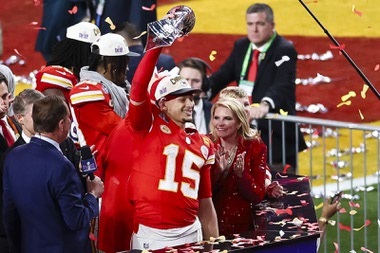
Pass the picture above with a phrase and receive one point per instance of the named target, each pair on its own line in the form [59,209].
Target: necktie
[254,65]
[7,135]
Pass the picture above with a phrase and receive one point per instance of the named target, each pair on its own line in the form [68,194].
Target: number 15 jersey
[170,172]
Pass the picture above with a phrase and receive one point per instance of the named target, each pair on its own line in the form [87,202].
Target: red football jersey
[93,108]
[170,172]
[56,77]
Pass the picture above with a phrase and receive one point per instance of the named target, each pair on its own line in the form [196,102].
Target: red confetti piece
[73,10]
[352,204]
[304,203]
[359,13]
[39,28]
[343,227]
[37,2]
[92,237]
[343,210]
[341,47]
[283,211]
[377,67]
[149,9]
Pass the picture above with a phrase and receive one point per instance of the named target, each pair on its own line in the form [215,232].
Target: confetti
[341,47]
[141,34]
[283,211]
[92,237]
[377,67]
[109,21]
[361,115]
[332,222]
[342,227]
[33,23]
[37,2]
[282,233]
[336,247]
[344,103]
[149,9]
[367,223]
[352,204]
[18,53]
[353,212]
[365,249]
[364,91]
[73,10]
[359,13]
[348,96]
[318,206]
[283,113]
[283,59]
[297,222]
[40,28]
[343,210]
[212,57]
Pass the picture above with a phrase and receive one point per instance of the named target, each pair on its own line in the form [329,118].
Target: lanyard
[249,52]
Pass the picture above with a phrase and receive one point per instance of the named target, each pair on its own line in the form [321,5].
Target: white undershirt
[199,118]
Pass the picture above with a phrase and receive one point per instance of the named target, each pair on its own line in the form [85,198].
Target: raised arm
[139,99]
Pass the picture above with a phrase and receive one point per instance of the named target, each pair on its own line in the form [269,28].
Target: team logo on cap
[163,90]
[118,49]
[83,35]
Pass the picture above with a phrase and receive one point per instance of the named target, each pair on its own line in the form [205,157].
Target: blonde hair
[239,113]
[233,92]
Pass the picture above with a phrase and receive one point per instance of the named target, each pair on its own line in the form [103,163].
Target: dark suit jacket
[165,61]
[207,105]
[277,83]
[44,201]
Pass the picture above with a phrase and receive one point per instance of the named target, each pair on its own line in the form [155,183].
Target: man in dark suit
[9,131]
[45,208]
[271,85]
[195,70]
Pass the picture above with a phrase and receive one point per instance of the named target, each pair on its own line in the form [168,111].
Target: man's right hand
[95,187]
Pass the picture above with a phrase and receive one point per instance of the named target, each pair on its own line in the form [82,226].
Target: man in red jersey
[100,101]
[169,184]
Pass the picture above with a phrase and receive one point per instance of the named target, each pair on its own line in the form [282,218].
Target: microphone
[88,162]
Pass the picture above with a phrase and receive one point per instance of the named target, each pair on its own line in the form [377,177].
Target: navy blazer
[277,83]
[44,201]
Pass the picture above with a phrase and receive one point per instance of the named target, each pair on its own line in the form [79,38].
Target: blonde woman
[238,175]
[273,189]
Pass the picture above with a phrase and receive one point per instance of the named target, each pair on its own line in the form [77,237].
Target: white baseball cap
[83,31]
[171,85]
[112,44]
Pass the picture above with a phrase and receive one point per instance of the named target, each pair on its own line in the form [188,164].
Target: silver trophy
[164,32]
